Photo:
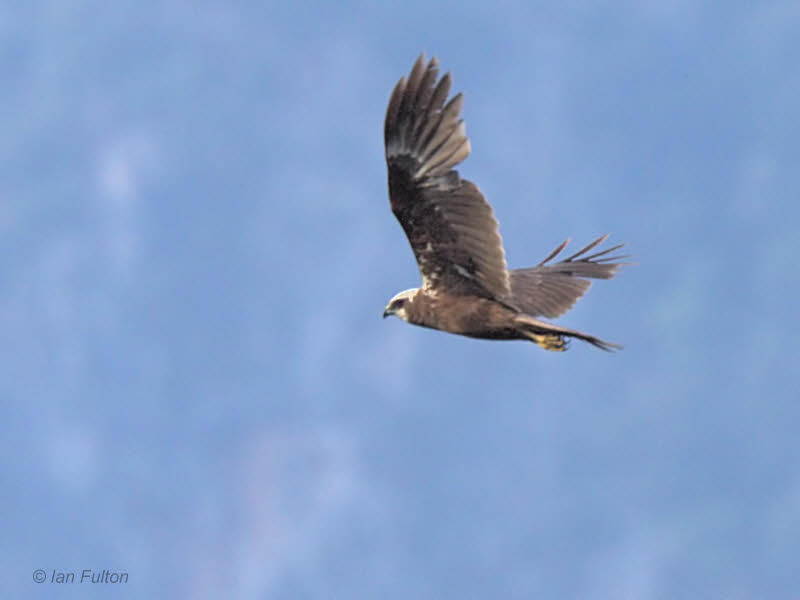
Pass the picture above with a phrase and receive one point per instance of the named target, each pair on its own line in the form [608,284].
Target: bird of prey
[466,287]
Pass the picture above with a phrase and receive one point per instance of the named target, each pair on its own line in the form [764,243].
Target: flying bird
[466,287]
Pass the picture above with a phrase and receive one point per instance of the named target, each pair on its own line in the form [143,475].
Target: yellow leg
[549,341]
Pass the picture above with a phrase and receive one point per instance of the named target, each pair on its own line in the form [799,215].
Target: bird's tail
[555,338]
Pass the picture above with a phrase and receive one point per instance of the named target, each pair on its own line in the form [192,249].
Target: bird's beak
[387,312]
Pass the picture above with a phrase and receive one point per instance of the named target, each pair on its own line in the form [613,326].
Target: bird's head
[397,305]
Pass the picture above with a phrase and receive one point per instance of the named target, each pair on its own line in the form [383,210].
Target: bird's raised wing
[449,224]
[552,289]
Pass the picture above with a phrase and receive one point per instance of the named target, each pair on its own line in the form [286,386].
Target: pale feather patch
[429,285]
[429,281]
[463,272]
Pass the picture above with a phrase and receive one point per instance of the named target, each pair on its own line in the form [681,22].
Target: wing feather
[552,289]
[449,224]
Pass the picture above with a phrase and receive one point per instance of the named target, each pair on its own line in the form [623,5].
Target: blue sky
[197,387]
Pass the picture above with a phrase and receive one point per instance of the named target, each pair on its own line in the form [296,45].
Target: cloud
[291,488]
[125,164]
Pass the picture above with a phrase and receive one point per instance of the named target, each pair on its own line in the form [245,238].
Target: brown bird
[466,287]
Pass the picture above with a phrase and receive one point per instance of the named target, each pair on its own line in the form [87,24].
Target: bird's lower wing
[551,290]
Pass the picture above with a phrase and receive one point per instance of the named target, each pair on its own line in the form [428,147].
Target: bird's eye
[397,304]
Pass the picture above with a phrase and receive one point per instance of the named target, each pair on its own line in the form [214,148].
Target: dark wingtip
[603,345]
[555,252]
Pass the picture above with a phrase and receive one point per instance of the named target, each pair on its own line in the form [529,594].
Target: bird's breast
[471,316]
